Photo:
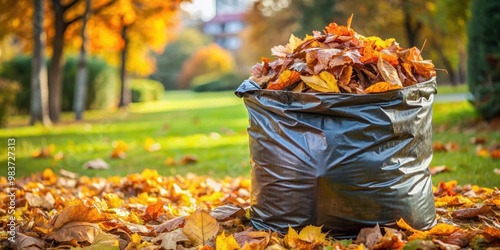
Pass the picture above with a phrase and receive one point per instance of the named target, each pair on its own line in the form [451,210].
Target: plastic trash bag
[344,161]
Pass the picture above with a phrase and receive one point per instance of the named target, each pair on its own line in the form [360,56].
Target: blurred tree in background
[210,59]
[169,63]
[132,27]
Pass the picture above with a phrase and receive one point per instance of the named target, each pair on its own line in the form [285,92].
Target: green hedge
[484,57]
[146,90]
[8,91]
[103,91]
[216,82]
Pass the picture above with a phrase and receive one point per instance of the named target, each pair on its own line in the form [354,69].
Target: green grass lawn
[212,127]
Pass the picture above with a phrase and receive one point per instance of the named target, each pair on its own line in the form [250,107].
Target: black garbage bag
[344,161]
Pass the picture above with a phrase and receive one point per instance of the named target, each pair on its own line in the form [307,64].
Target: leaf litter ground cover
[149,211]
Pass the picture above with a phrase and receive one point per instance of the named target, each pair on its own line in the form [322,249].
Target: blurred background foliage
[177,49]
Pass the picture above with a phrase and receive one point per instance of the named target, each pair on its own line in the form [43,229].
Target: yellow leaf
[200,227]
[224,242]
[403,225]
[136,238]
[380,87]
[324,82]
[150,145]
[312,234]
[149,174]
[294,42]
[113,200]
[443,229]
[291,237]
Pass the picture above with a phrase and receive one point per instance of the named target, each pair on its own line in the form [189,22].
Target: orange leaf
[380,87]
[403,225]
[76,211]
[153,211]
[287,78]
[443,229]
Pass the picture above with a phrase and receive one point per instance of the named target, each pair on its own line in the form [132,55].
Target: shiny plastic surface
[344,161]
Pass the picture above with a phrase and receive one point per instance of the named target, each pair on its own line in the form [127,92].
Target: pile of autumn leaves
[149,211]
[341,61]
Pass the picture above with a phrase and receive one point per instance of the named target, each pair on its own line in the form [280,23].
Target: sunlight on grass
[212,128]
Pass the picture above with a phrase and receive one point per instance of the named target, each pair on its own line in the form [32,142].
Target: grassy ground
[212,127]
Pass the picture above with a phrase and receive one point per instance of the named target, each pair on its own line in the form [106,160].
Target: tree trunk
[462,61]
[452,74]
[56,63]
[413,27]
[124,91]
[39,89]
[81,80]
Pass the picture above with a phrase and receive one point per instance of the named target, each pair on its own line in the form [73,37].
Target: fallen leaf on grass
[150,145]
[224,242]
[96,164]
[44,152]
[24,241]
[369,236]
[227,212]
[482,151]
[468,213]
[189,159]
[77,211]
[438,169]
[77,230]
[119,148]
[200,227]
[169,240]
[153,211]
[478,140]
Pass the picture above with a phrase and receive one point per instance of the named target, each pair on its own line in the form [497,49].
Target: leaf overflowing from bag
[339,60]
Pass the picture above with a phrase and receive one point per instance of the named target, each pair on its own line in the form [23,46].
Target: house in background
[226,26]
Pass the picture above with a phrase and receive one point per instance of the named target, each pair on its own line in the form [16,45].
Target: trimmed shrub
[102,91]
[18,69]
[484,57]
[146,90]
[8,91]
[216,82]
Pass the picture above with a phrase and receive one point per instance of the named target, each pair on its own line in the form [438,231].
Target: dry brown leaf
[170,225]
[169,240]
[76,211]
[369,236]
[389,73]
[468,213]
[227,212]
[24,241]
[201,227]
[77,230]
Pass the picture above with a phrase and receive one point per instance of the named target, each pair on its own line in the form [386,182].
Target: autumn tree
[39,93]
[82,71]
[139,26]
[211,59]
